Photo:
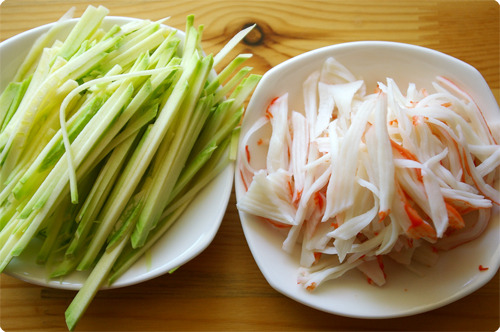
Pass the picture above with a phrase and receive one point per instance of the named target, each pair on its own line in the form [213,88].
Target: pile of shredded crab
[355,178]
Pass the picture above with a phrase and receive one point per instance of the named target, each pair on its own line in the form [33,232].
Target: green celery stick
[221,93]
[213,123]
[227,71]
[233,148]
[92,284]
[152,211]
[86,26]
[42,42]
[51,153]
[99,192]
[170,215]
[125,223]
[111,212]
[132,255]
[231,44]
[10,100]
[16,141]
[136,168]
[170,168]
[191,169]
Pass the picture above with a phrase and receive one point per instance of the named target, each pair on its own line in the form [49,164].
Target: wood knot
[254,37]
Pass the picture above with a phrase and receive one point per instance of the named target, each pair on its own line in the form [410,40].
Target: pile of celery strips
[106,136]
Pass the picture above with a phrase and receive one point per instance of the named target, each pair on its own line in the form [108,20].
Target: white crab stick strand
[340,191]
[277,156]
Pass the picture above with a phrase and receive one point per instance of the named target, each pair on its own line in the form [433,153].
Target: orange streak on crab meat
[407,155]
[455,220]
[247,151]
[318,199]
[461,206]
[290,188]
[381,265]
[299,195]
[311,287]
[383,214]
[243,180]
[277,223]
[269,115]
[419,227]
[317,256]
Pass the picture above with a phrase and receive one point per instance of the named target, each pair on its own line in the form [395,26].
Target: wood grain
[222,288]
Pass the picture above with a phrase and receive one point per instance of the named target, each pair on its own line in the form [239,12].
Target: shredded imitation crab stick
[357,177]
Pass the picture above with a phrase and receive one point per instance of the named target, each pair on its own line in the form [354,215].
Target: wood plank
[222,289]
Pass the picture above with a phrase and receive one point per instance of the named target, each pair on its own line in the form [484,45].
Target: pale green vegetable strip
[49,192]
[227,71]
[138,253]
[28,227]
[82,87]
[169,216]
[57,230]
[97,124]
[98,194]
[135,169]
[17,140]
[214,122]
[94,281]
[10,100]
[7,230]
[131,54]
[39,44]
[191,169]
[232,83]
[85,27]
[231,44]
[206,170]
[243,91]
[132,128]
[138,99]
[233,147]
[111,212]
[170,170]
[48,157]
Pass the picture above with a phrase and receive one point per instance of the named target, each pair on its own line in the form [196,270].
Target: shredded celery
[106,136]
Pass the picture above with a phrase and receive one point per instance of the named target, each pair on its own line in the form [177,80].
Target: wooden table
[222,289]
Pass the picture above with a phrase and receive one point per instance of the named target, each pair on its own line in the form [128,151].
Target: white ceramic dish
[189,236]
[457,272]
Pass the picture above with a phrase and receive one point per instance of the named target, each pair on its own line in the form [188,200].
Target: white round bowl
[187,238]
[457,272]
